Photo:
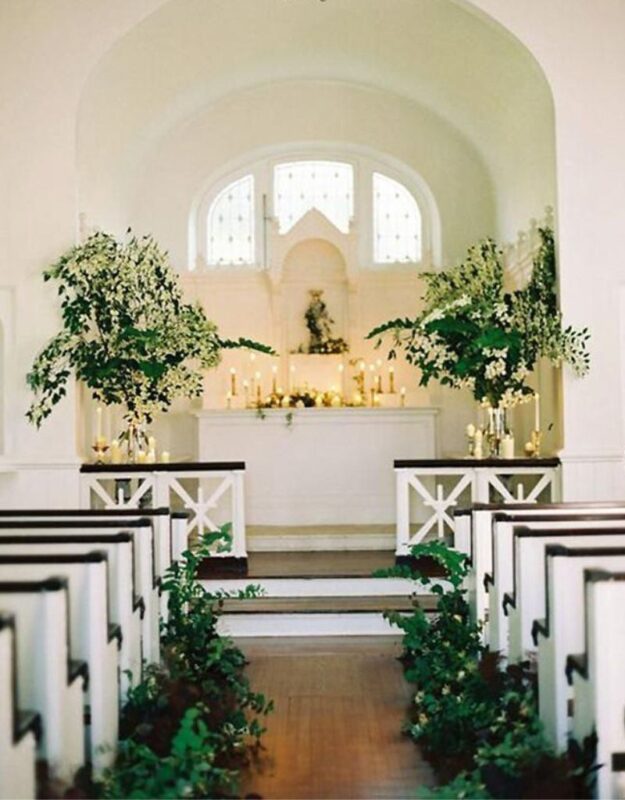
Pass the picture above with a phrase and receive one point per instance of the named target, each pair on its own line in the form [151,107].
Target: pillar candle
[116,453]
[507,446]
[165,457]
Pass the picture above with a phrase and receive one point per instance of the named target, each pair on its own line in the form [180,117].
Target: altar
[318,466]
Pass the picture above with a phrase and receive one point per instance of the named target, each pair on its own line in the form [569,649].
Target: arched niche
[313,264]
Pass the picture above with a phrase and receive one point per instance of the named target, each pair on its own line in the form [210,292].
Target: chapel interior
[303,168]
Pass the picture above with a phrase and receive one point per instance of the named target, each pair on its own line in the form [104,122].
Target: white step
[322,587]
[303,624]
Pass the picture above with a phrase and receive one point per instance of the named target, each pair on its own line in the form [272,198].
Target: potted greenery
[127,333]
[473,334]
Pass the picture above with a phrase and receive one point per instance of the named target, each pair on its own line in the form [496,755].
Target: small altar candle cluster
[374,387]
[495,434]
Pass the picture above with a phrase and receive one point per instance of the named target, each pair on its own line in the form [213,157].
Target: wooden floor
[336,730]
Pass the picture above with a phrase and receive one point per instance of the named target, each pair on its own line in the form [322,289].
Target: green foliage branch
[474,334]
[126,333]
[193,723]
[477,723]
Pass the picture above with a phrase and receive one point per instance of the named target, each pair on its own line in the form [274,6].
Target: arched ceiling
[190,53]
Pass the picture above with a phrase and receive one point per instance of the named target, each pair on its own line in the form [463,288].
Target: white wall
[579,45]
[346,119]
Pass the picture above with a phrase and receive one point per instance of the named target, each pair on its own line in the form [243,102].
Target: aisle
[336,730]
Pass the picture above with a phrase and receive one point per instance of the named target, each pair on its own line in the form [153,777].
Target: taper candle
[274,379]
[391,380]
[98,423]
[233,382]
[402,393]
[536,411]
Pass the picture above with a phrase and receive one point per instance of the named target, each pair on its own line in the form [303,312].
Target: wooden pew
[473,536]
[501,580]
[597,676]
[19,730]
[126,605]
[148,529]
[93,639]
[179,534]
[48,681]
[161,519]
[561,631]
[526,599]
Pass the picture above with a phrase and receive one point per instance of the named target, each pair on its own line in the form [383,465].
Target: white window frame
[364,163]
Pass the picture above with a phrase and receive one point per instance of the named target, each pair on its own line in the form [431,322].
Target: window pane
[231,224]
[327,186]
[396,222]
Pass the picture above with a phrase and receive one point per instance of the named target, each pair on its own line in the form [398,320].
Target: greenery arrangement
[477,723]
[473,334]
[127,334]
[319,324]
[193,722]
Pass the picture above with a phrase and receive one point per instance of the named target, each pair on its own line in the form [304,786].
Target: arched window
[327,186]
[396,222]
[230,224]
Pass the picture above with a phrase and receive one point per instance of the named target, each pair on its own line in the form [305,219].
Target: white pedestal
[329,467]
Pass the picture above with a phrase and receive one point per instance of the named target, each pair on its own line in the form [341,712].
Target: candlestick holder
[536,440]
[100,449]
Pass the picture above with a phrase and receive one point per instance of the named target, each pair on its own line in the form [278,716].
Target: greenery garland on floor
[476,723]
[193,722]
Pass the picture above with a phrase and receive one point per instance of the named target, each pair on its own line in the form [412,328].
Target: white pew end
[179,534]
[125,607]
[144,528]
[18,730]
[480,539]
[597,675]
[527,599]
[92,642]
[502,578]
[561,632]
[47,681]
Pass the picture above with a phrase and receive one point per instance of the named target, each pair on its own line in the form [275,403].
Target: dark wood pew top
[173,466]
[83,512]
[467,509]
[489,463]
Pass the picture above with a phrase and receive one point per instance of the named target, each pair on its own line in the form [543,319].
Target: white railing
[518,256]
[429,490]
[211,492]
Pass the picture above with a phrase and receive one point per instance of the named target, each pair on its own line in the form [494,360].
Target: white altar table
[330,466]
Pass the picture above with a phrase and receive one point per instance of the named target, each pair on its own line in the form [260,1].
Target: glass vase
[135,437]
[496,430]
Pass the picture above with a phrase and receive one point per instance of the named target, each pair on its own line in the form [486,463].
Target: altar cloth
[329,466]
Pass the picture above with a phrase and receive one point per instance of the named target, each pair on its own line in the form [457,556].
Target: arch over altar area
[117,165]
